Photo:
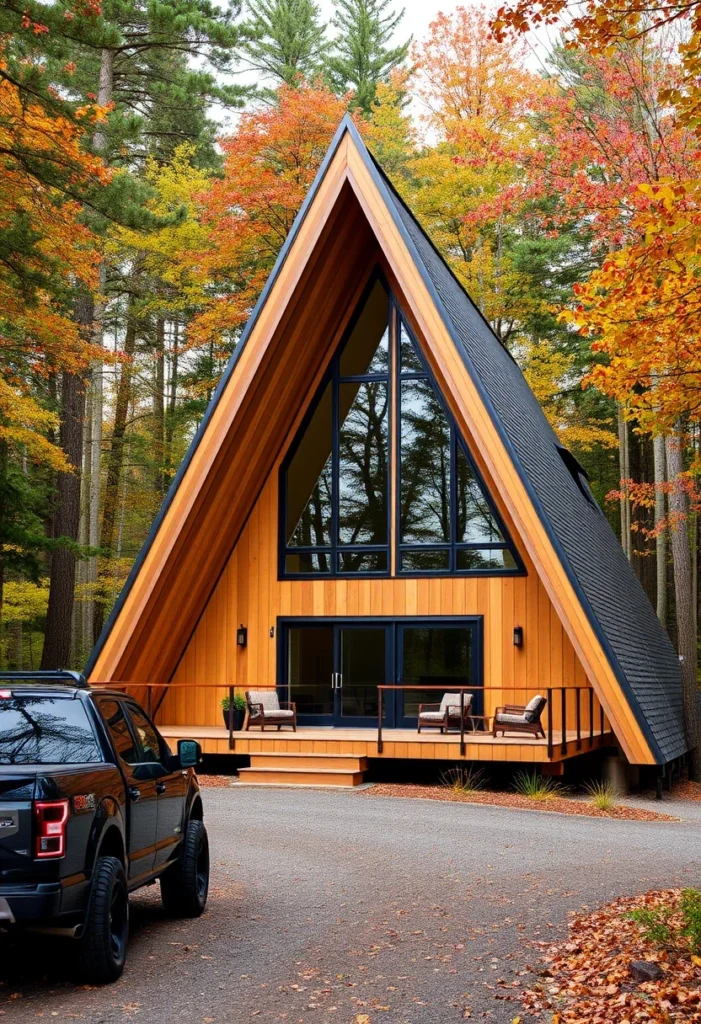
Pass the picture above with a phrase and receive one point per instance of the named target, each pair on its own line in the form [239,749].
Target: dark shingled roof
[638,647]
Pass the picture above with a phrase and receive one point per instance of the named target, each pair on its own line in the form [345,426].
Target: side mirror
[189,753]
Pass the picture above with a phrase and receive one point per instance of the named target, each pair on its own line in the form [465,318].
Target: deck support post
[591,717]
[379,719]
[231,718]
[550,724]
[563,698]
[462,723]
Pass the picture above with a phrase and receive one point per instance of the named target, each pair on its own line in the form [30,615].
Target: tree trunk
[115,462]
[158,407]
[624,472]
[172,404]
[57,639]
[104,97]
[661,535]
[686,633]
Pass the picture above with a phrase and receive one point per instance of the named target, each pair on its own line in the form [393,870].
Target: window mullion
[335,465]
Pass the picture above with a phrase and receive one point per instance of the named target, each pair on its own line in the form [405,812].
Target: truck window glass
[150,747]
[119,731]
[46,730]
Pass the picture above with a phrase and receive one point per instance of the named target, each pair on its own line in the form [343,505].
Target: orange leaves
[269,164]
[589,979]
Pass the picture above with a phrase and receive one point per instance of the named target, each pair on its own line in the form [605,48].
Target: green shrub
[535,786]
[690,907]
[239,702]
[464,780]
[677,929]
[602,795]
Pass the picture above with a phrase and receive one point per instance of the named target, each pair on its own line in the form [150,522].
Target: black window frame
[393,376]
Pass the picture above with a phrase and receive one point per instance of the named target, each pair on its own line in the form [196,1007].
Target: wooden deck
[397,743]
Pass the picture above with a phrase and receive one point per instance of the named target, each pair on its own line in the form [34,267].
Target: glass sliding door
[309,671]
[331,668]
[435,655]
[332,671]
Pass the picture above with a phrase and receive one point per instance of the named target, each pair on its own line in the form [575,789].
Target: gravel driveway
[330,906]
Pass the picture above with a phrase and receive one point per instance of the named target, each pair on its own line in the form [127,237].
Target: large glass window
[380,399]
[337,485]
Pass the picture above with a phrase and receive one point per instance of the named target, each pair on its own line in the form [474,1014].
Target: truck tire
[184,886]
[103,943]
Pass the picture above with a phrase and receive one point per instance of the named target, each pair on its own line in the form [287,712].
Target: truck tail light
[50,818]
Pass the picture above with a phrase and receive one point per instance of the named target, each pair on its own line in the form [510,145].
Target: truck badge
[85,802]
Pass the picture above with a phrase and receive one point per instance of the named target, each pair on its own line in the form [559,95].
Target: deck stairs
[278,769]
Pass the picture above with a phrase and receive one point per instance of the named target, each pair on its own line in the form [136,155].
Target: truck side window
[148,737]
[119,731]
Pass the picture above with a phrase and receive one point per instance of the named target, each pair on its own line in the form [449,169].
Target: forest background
[560,182]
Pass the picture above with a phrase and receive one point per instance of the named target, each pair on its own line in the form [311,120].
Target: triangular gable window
[377,421]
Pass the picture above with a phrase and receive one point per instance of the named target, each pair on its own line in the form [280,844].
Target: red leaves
[588,978]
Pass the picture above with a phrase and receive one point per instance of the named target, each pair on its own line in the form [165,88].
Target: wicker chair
[264,708]
[520,718]
[442,716]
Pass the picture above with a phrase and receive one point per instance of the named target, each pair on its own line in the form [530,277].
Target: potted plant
[237,711]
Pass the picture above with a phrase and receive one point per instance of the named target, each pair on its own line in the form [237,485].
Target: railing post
[231,718]
[563,698]
[591,717]
[148,700]
[550,724]
[579,720]
[601,724]
[462,722]
[379,719]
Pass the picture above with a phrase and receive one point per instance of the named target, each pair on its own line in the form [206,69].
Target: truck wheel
[103,944]
[184,886]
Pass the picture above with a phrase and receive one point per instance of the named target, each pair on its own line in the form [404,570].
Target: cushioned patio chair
[520,718]
[442,716]
[264,708]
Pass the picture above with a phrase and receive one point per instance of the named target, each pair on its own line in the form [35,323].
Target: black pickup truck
[93,805]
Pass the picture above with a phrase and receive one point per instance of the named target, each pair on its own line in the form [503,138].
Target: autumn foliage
[45,247]
[269,165]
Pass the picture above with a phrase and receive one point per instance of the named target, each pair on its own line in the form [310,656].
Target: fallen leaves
[587,978]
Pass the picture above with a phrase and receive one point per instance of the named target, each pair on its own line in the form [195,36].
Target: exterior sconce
[518,636]
[241,636]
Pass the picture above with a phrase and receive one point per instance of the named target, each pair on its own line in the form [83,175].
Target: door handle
[339,684]
[336,680]
[160,787]
[134,793]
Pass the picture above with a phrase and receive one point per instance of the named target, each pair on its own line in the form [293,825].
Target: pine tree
[361,56]
[287,40]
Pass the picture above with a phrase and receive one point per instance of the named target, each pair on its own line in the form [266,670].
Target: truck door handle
[160,787]
[134,793]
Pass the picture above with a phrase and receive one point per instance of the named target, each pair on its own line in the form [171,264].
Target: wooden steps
[285,769]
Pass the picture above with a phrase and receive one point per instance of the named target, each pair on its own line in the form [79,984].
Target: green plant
[675,928]
[602,794]
[535,786]
[239,702]
[655,925]
[690,907]
[464,780]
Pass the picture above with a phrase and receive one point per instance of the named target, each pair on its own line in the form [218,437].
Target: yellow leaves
[696,960]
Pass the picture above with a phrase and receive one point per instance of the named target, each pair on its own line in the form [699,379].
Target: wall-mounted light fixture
[518,636]
[241,636]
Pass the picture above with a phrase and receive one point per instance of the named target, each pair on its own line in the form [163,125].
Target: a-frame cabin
[375,499]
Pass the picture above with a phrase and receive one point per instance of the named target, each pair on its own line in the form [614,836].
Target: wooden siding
[250,593]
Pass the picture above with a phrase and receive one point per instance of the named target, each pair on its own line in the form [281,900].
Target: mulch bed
[587,979]
[216,781]
[561,804]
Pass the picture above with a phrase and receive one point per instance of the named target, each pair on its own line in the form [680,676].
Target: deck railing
[588,711]
[590,723]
